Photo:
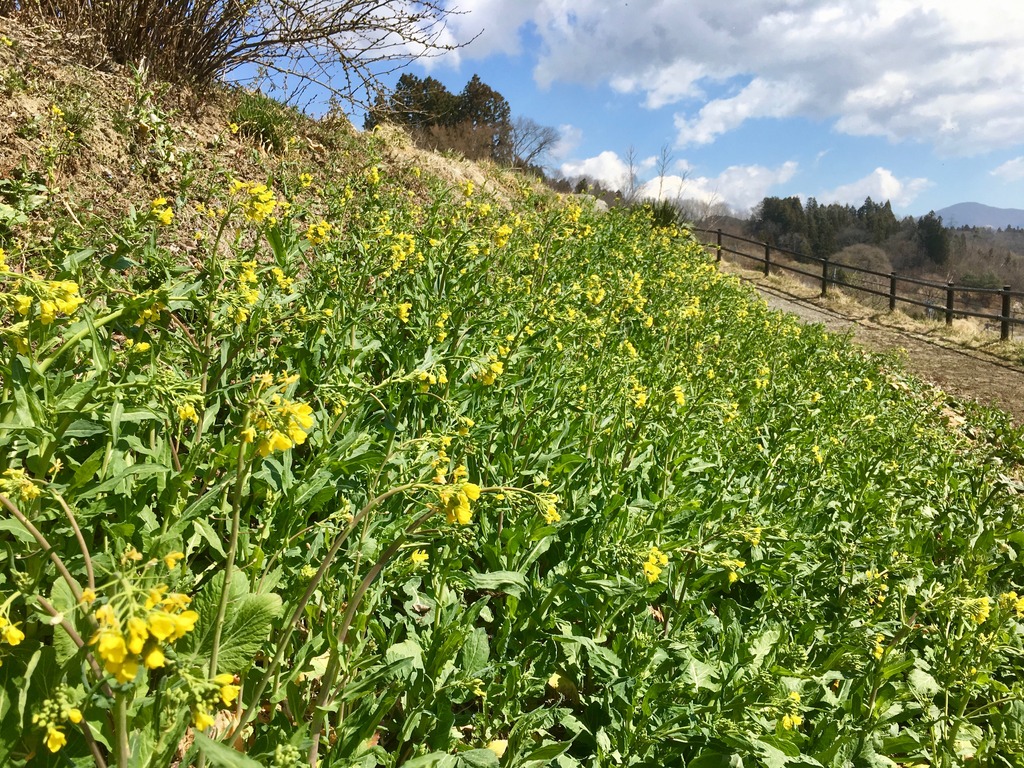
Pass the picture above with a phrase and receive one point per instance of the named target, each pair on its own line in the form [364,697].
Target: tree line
[821,230]
[477,122]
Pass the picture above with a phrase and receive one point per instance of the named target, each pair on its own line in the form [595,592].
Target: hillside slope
[334,455]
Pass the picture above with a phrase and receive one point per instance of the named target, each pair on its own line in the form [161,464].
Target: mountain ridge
[980,215]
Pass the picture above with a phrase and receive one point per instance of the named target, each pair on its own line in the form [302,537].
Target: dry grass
[968,333]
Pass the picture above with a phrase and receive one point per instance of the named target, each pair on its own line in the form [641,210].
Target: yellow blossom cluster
[502,235]
[55,298]
[319,233]
[656,561]
[455,495]
[878,589]
[792,719]
[16,482]
[549,507]
[879,650]
[9,630]
[133,634]
[425,379]
[1009,601]
[283,281]
[223,690]
[257,200]
[187,412]
[281,424]
[51,716]
[403,311]
[489,374]
[161,211]
[978,608]
[733,567]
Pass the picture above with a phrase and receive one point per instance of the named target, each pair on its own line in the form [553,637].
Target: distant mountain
[978,215]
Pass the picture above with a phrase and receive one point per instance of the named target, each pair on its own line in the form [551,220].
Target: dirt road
[964,373]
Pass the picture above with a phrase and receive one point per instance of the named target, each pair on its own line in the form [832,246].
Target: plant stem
[121,727]
[229,565]
[41,540]
[314,583]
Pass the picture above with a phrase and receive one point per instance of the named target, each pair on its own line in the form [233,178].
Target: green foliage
[267,122]
[372,482]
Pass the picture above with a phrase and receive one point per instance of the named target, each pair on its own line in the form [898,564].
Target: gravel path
[964,373]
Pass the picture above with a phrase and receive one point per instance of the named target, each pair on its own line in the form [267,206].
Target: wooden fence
[832,273]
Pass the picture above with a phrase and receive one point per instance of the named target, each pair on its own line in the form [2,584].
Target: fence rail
[829,275]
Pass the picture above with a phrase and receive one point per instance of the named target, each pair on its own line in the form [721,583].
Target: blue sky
[921,103]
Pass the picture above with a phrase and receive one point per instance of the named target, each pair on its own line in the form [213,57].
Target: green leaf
[475,652]
[922,685]
[508,582]
[63,600]
[247,623]
[478,758]
[433,760]
[222,755]
[17,530]
[407,649]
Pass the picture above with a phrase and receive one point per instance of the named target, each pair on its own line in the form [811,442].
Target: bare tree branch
[345,46]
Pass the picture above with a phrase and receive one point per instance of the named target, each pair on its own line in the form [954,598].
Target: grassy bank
[389,469]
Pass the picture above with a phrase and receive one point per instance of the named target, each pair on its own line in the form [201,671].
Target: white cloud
[607,167]
[569,137]
[1011,170]
[938,71]
[760,98]
[741,187]
[879,185]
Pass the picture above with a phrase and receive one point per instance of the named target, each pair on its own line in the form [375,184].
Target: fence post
[767,259]
[824,277]
[892,291]
[1004,325]
[718,253]
[949,303]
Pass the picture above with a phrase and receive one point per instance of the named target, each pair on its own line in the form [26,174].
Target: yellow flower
[75,715]
[47,311]
[184,623]
[124,672]
[275,441]
[171,560]
[498,746]
[419,557]
[153,655]
[789,722]
[137,634]
[12,635]
[88,596]
[305,180]
[202,719]
[162,624]
[111,646]
[55,739]
[187,412]
[165,216]
[651,571]
[233,127]
[228,690]
[319,233]
[403,311]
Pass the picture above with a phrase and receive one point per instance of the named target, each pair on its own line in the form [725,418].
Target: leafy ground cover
[386,470]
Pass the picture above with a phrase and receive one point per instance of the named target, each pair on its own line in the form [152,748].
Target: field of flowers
[389,471]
